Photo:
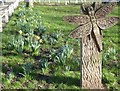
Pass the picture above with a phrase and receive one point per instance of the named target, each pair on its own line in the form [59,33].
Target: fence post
[9,10]
[6,16]
[16,3]
[2,2]
[76,1]
[12,7]
[39,1]
[0,22]
[44,2]
[58,1]
[49,1]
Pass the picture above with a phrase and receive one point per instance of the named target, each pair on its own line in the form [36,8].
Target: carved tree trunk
[91,61]
[91,42]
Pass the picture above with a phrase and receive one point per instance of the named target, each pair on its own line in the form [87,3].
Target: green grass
[14,74]
[52,17]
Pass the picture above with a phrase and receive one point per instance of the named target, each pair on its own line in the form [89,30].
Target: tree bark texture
[91,64]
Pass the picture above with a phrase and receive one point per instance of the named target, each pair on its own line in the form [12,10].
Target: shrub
[30,31]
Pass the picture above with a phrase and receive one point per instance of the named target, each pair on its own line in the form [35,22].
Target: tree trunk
[69,1]
[91,61]
[29,3]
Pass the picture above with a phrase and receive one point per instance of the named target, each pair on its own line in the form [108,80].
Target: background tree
[29,3]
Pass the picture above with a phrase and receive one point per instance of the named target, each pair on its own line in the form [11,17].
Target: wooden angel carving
[93,21]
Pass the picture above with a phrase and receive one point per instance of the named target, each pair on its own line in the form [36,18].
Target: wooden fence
[70,1]
[57,2]
[6,9]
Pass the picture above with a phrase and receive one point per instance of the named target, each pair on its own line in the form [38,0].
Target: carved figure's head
[90,11]
[90,7]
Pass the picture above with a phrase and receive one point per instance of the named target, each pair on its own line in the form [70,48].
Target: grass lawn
[15,75]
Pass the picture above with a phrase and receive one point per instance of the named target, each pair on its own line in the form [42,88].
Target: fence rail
[6,10]
[66,2]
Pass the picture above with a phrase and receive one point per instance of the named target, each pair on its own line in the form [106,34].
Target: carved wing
[77,19]
[81,31]
[98,39]
[84,7]
[97,36]
[107,22]
[106,9]
[97,5]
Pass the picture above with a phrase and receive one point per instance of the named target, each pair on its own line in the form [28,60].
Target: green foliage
[63,54]
[28,40]
[16,44]
[110,80]
[109,55]
[110,69]
[62,58]
[57,56]
[111,59]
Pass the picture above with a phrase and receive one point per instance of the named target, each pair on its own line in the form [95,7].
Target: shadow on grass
[58,79]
